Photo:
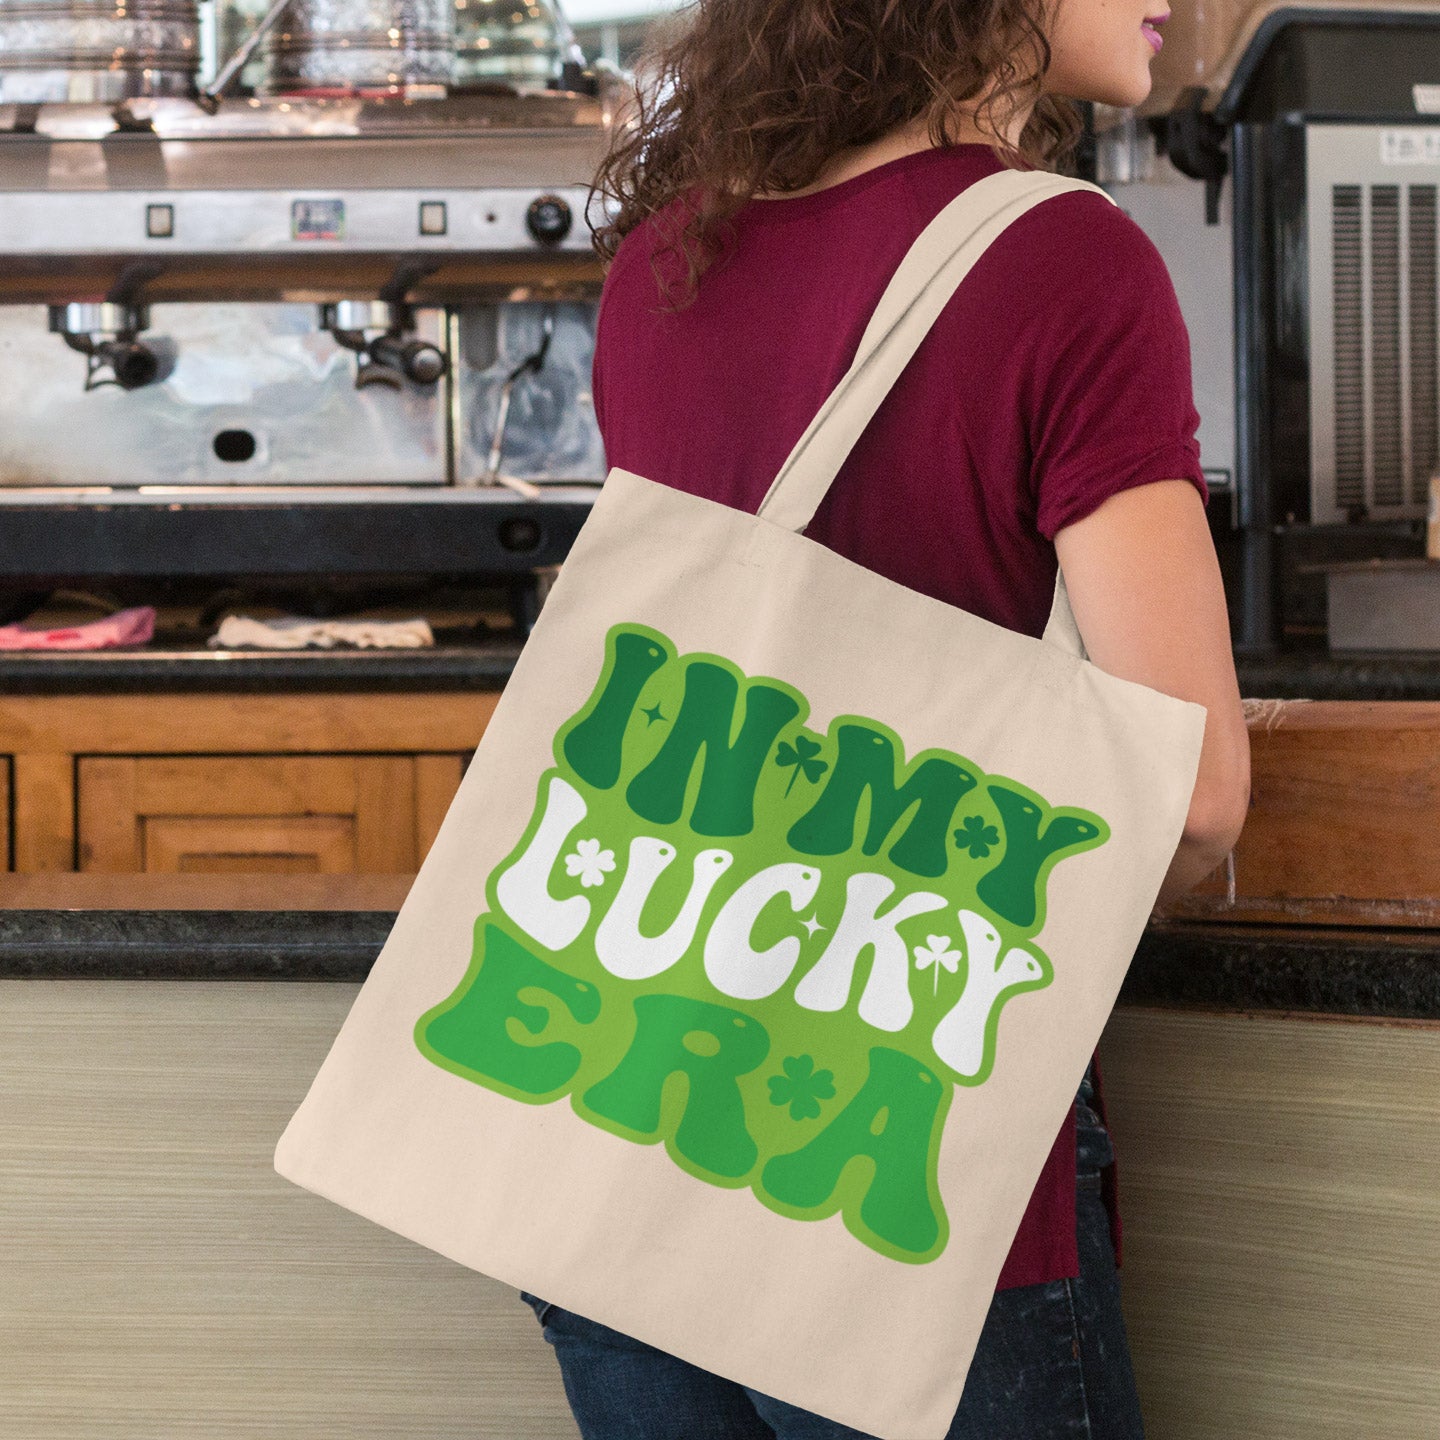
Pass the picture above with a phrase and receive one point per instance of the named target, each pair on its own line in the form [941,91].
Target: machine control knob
[424,363]
[418,360]
[548,219]
[134,365]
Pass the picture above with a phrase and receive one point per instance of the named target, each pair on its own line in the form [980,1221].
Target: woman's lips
[1152,34]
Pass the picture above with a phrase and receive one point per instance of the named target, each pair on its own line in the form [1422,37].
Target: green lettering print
[773,951]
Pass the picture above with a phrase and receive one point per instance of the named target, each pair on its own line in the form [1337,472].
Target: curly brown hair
[757,95]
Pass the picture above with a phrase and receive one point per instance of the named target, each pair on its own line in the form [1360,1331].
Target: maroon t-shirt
[1057,375]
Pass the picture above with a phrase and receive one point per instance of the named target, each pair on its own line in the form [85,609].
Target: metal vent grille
[1424,388]
[1349,347]
[1384,409]
[1386,420]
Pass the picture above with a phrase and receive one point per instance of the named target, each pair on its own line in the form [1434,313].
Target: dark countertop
[1373,973]
[184,944]
[486,665]
[1345,675]
[161,668]
[1329,970]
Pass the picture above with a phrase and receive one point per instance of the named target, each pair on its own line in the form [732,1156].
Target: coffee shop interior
[295,344]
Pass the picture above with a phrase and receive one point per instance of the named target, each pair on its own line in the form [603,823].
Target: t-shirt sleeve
[597,362]
[1110,403]
[616,276]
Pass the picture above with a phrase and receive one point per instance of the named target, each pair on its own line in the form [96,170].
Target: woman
[786,161]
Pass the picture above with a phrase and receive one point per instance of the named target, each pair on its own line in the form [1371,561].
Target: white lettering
[886,1002]
[524,889]
[619,945]
[737,969]
[960,1036]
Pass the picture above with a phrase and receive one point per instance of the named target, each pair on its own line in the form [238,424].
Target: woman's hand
[1145,587]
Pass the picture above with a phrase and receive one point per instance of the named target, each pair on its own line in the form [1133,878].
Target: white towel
[293,632]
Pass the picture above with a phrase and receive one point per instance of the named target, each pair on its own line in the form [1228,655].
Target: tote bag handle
[928,275]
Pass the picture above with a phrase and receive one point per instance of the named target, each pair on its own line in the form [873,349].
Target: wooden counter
[1280,1192]
[1272,1075]
[1342,829]
[161,1281]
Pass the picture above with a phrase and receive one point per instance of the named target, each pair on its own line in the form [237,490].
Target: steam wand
[208,98]
[531,364]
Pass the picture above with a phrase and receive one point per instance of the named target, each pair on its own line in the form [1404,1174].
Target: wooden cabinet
[303,784]
[1341,829]
[285,814]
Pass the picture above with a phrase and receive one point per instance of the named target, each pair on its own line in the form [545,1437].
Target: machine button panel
[500,220]
[317,220]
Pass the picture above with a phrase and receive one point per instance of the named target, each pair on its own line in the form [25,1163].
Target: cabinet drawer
[284,814]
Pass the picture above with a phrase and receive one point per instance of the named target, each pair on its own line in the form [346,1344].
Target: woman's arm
[1145,587]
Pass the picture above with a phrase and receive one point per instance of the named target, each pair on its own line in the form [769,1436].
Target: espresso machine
[339,319]
[1287,164]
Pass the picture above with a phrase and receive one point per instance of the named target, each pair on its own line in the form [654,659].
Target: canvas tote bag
[760,955]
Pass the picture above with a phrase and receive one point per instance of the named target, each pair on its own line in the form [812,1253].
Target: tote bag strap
[928,275]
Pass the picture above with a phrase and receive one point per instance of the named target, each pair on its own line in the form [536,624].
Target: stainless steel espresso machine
[343,323]
[1313,132]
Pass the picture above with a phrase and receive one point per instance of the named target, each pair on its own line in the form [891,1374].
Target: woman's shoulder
[1068,251]
[1069,259]
[654,240]
[1082,245]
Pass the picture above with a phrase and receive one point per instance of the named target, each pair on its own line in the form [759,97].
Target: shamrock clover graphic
[933,954]
[977,837]
[590,862]
[802,1087]
[801,755]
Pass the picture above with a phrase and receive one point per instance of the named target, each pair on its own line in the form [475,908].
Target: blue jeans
[1053,1359]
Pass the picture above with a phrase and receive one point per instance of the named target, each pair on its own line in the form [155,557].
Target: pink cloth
[125,627]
